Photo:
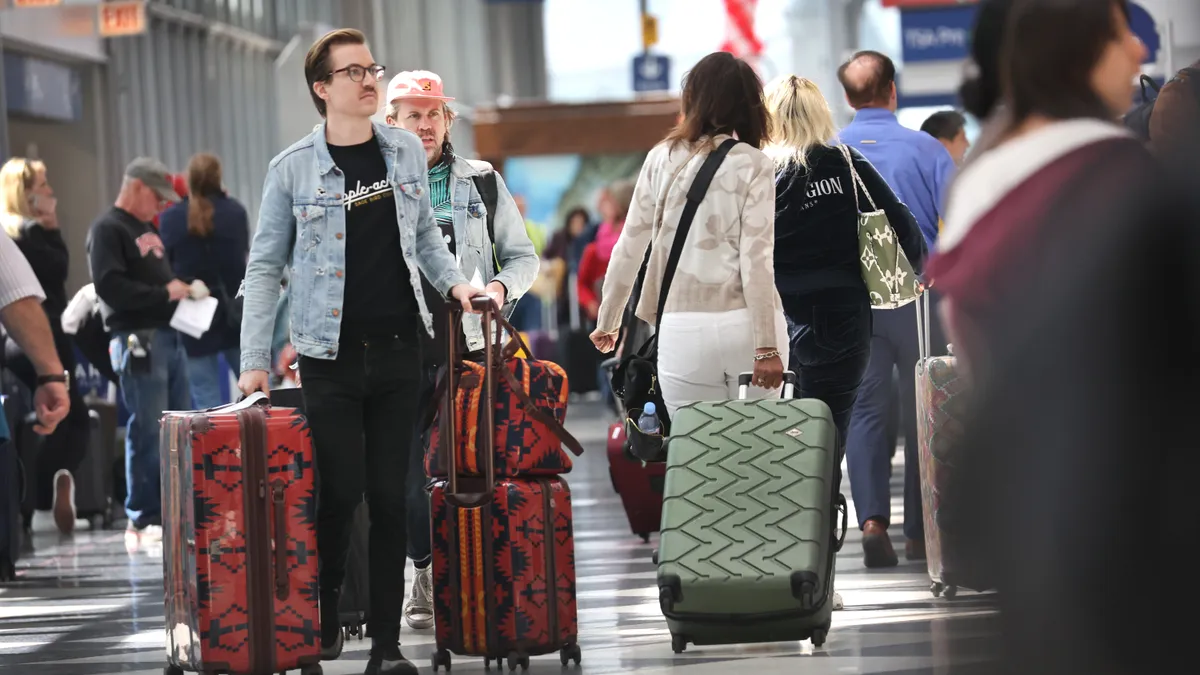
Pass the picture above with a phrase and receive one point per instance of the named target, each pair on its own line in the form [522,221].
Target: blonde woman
[817,269]
[29,217]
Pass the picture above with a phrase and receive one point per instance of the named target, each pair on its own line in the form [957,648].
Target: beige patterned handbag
[889,276]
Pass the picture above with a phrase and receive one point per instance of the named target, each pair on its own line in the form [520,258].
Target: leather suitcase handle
[468,492]
[280,541]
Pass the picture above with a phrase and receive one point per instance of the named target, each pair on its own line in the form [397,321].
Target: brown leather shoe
[914,549]
[877,546]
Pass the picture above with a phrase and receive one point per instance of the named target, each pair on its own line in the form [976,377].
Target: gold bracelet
[766,355]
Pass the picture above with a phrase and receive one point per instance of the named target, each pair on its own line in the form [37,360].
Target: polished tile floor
[86,606]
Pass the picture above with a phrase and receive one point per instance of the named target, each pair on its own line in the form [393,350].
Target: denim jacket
[301,223]
[514,251]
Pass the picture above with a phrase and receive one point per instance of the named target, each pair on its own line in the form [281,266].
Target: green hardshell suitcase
[751,506]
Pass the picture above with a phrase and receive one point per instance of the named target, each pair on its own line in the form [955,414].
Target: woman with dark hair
[1051,135]
[207,237]
[722,316]
[1068,264]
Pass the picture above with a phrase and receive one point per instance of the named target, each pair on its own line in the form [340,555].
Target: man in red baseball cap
[494,250]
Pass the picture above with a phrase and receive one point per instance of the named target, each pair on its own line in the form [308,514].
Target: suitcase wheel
[819,635]
[678,643]
[314,669]
[950,592]
[570,653]
[516,659]
[441,659]
[173,670]
[645,537]
[936,589]
[654,556]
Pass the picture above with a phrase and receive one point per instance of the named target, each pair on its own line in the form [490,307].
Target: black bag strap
[695,195]
[485,183]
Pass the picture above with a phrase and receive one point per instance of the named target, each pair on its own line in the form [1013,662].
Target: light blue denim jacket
[301,223]
[514,251]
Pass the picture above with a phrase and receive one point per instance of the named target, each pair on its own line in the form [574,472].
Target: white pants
[701,355]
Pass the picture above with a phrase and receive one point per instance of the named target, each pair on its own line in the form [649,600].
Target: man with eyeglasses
[348,207]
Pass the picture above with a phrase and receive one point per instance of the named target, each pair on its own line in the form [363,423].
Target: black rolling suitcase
[12,487]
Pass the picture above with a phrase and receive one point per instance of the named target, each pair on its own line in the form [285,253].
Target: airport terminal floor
[86,606]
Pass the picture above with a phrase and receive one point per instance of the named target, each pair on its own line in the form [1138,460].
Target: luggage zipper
[258,543]
[551,573]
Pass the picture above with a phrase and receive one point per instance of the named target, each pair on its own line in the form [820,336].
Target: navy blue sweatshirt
[816,224]
[219,261]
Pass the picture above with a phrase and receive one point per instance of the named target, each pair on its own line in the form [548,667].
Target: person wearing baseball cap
[483,227]
[138,295]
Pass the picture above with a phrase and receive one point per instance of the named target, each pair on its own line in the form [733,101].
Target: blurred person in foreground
[348,207]
[1073,254]
[918,168]
[722,316]
[417,102]
[28,213]
[207,236]
[950,128]
[138,295]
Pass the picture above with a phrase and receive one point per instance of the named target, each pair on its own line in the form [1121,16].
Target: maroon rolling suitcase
[640,485]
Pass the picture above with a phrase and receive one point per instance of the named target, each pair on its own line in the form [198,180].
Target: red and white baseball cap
[416,84]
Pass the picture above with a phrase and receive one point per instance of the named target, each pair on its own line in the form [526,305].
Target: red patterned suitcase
[528,404]
[639,484]
[239,541]
[503,550]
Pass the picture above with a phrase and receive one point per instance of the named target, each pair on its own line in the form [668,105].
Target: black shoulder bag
[635,379]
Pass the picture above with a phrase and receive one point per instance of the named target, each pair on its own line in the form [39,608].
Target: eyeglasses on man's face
[357,73]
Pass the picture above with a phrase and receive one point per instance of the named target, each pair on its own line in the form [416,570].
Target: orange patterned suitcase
[239,541]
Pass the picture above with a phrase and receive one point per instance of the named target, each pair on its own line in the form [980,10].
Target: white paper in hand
[194,317]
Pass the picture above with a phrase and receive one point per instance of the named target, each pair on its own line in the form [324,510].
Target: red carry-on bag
[240,541]
[503,548]
[638,483]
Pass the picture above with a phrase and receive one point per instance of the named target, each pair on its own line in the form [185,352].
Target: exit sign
[127,17]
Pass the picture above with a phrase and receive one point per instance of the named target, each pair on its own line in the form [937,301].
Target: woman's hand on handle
[605,342]
[768,371]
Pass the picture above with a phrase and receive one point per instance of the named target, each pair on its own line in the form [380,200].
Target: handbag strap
[695,195]
[858,181]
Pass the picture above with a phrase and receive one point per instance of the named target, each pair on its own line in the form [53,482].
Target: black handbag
[635,379]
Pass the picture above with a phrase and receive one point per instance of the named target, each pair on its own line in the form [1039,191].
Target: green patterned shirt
[439,198]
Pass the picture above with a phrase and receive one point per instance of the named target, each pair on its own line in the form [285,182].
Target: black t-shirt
[378,298]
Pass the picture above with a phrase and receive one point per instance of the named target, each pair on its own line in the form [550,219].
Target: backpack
[1138,119]
[485,183]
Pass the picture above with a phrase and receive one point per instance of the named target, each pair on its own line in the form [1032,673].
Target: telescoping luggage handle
[923,340]
[789,385]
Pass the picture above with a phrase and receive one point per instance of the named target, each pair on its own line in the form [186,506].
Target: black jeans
[362,409]
[830,342]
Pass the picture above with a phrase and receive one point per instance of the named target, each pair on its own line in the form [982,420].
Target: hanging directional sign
[651,72]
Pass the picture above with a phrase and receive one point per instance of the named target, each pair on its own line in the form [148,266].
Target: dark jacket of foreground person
[1080,467]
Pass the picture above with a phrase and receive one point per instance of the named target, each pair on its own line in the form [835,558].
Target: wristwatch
[47,379]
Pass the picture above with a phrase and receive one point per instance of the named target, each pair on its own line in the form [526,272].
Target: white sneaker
[418,611]
[42,523]
[837,602]
[64,501]
[134,537]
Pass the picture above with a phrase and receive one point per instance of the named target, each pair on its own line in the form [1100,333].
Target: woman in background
[722,315]
[29,217]
[207,237]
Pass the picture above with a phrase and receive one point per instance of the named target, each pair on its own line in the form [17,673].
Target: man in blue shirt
[918,168]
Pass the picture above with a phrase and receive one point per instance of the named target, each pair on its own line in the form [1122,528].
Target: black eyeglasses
[356,73]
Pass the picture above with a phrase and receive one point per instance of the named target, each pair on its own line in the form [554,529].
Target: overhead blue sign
[944,33]
[651,72]
[941,34]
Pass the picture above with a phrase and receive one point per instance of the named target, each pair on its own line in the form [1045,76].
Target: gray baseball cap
[155,175]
